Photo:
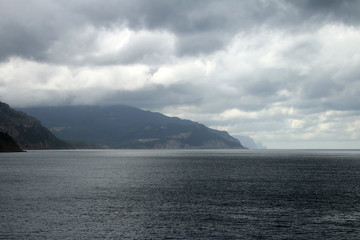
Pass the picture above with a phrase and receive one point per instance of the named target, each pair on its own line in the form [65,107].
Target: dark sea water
[182,194]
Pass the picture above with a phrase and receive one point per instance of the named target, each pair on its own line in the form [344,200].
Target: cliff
[7,144]
[27,131]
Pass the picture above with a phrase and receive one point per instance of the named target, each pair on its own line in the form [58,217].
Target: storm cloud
[283,72]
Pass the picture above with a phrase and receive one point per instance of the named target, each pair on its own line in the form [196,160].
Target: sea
[180,194]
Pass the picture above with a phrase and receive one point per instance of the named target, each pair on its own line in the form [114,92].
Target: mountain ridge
[121,126]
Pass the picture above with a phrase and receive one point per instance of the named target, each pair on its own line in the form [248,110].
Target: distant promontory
[128,127]
[116,127]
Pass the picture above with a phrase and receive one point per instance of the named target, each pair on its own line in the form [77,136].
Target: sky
[286,73]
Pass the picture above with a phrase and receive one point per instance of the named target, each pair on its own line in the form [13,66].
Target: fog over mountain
[284,72]
[250,143]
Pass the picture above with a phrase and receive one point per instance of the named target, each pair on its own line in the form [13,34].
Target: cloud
[32,29]
[330,10]
[279,71]
[110,46]
[29,28]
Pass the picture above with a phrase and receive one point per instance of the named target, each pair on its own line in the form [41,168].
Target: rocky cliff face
[27,131]
[7,144]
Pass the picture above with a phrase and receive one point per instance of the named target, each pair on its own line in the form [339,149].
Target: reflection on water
[182,194]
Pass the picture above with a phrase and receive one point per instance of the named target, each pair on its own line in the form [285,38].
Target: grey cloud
[155,97]
[303,50]
[206,26]
[324,94]
[17,40]
[323,4]
[30,29]
[149,50]
[321,88]
[344,103]
[199,44]
[23,41]
[346,11]
[283,47]
[200,26]
[346,99]
[262,88]
[176,16]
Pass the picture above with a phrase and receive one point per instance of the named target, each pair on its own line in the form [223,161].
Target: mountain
[128,127]
[7,144]
[27,131]
[250,143]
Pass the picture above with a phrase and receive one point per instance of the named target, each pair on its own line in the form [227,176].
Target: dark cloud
[262,88]
[30,29]
[276,69]
[155,97]
[200,26]
[199,44]
[346,11]
[303,50]
[321,88]
[323,5]
[18,41]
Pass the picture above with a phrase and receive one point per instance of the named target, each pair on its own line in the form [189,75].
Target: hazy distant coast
[115,127]
[122,126]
